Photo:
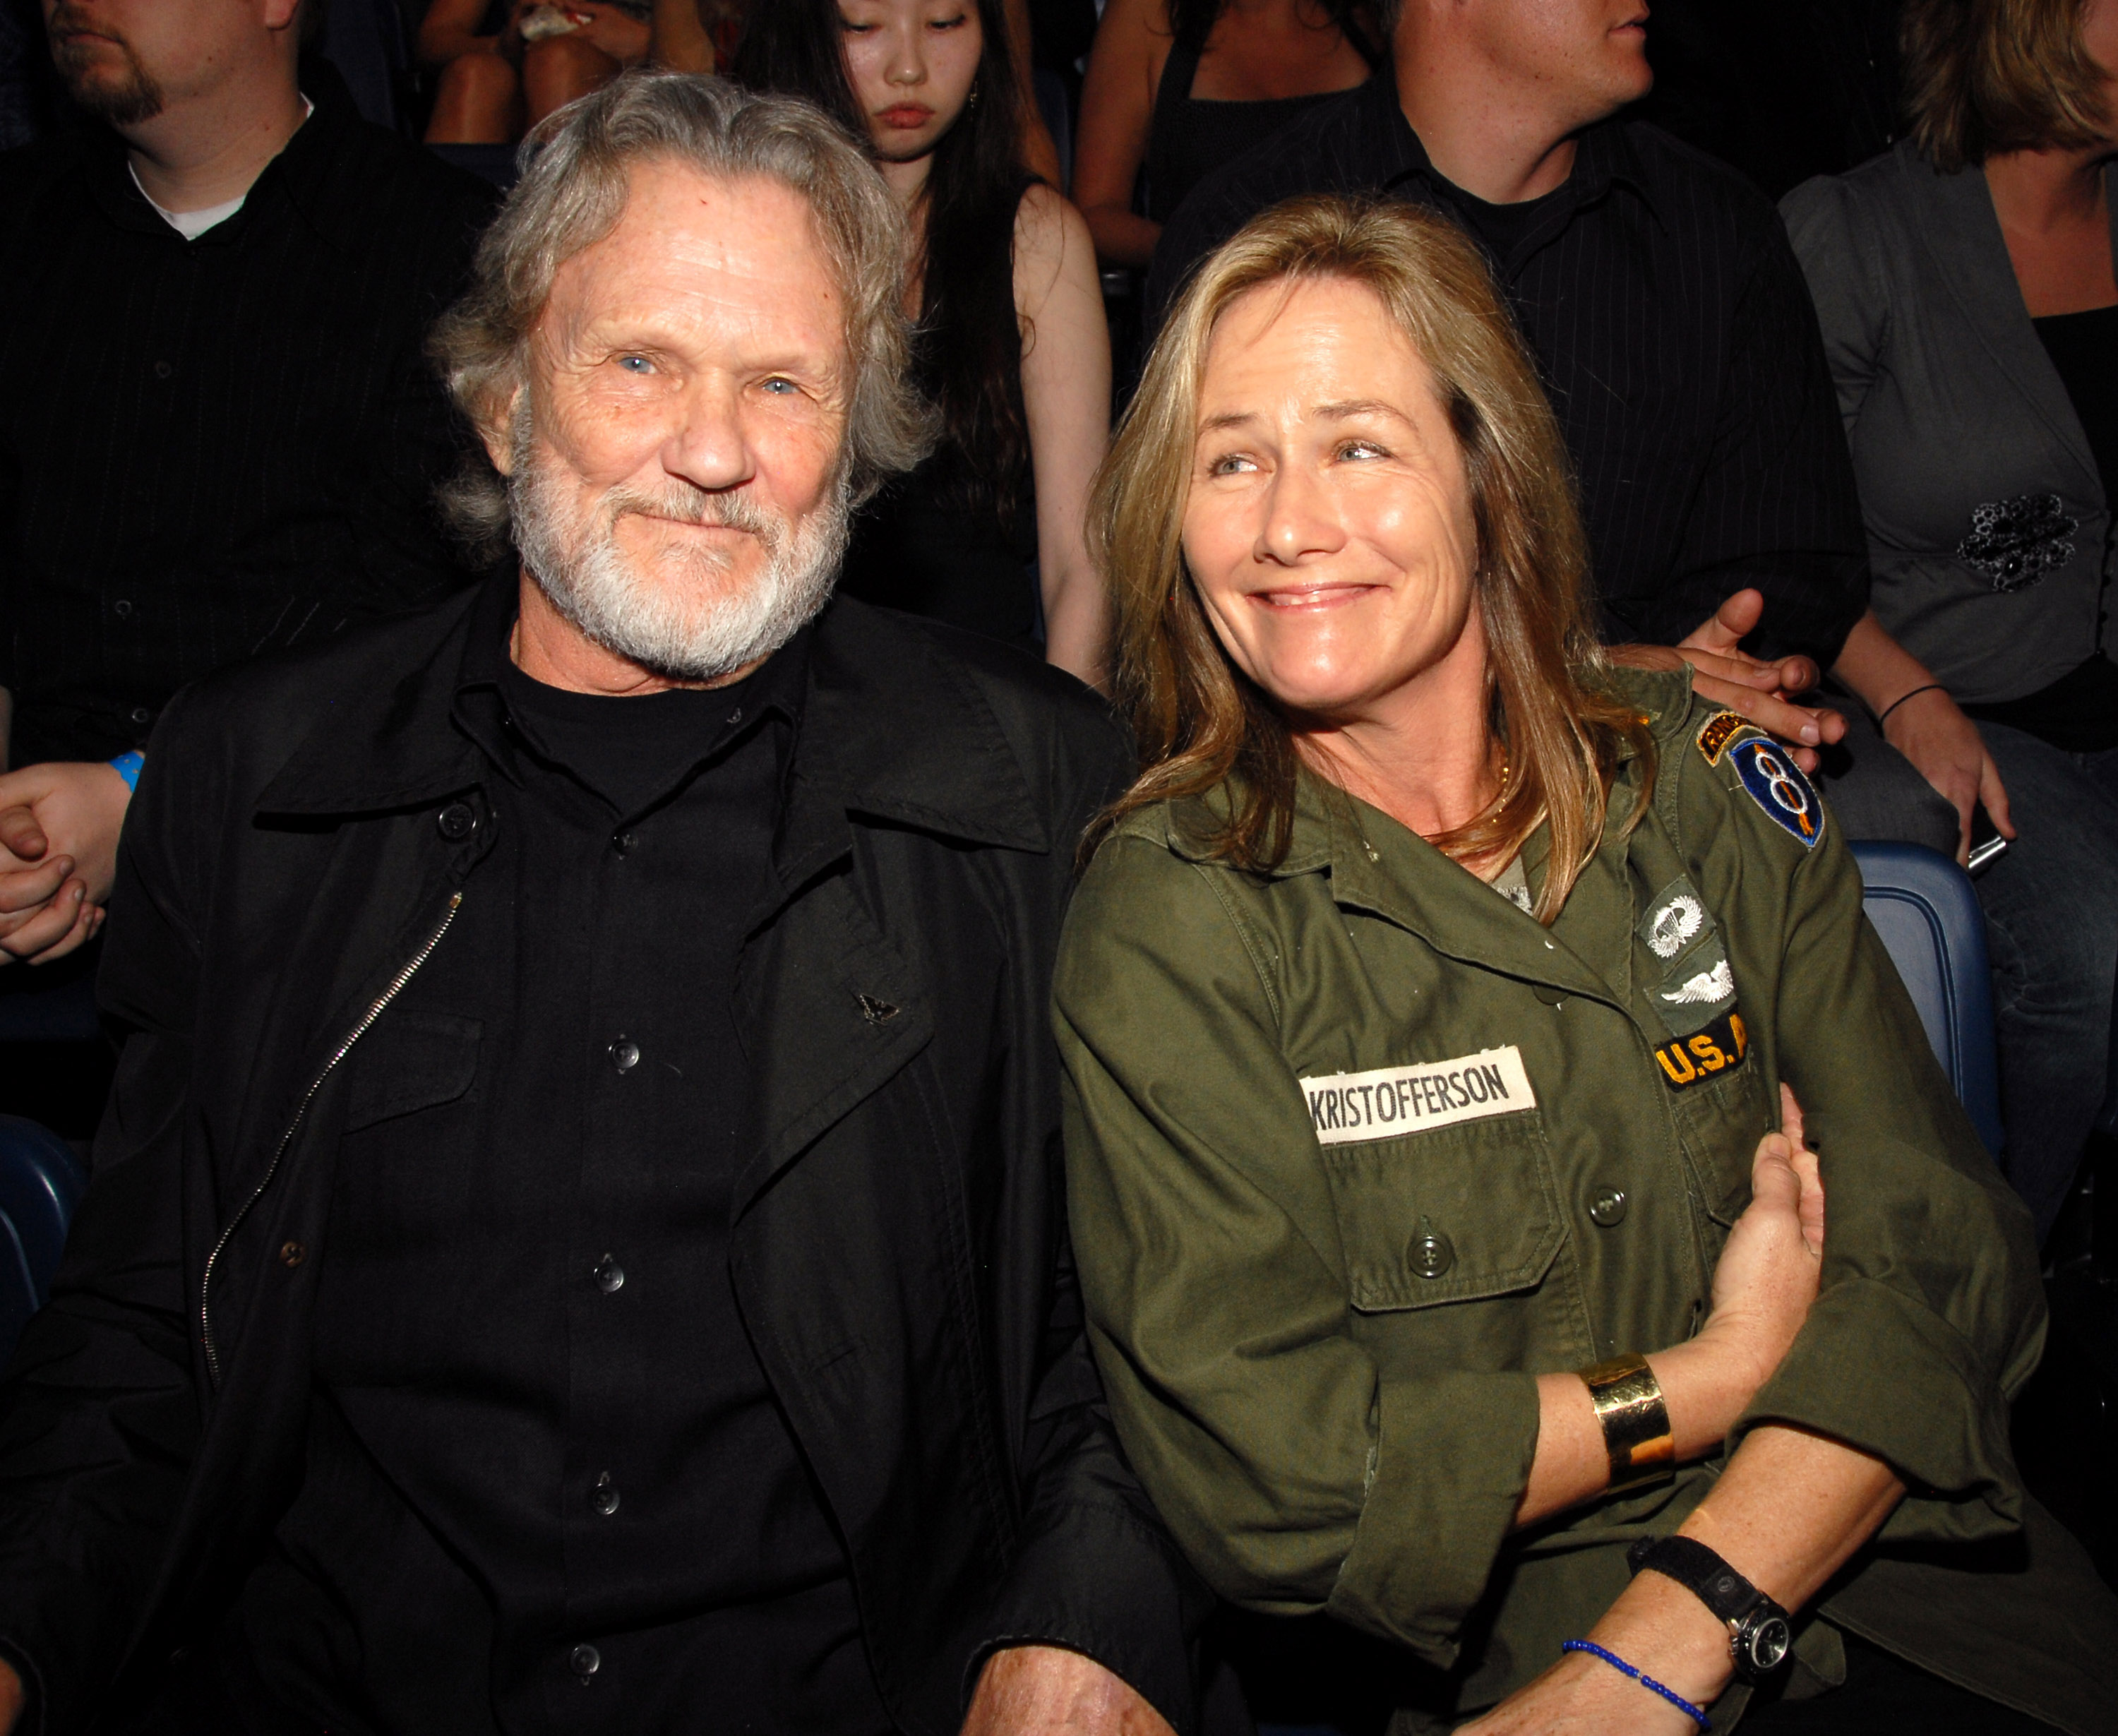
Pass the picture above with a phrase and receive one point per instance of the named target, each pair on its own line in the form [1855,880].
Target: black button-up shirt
[212,449]
[1676,337]
[549,1486]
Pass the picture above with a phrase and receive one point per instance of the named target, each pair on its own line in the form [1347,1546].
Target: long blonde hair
[1199,723]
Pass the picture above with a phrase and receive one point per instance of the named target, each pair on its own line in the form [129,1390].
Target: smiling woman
[1449,1257]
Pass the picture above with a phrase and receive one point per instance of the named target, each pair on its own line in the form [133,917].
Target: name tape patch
[1695,1059]
[1346,1108]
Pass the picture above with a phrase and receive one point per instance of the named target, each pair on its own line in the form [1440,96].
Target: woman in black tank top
[989,533]
[1148,135]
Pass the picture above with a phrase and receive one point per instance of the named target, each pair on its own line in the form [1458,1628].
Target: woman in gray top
[1970,308]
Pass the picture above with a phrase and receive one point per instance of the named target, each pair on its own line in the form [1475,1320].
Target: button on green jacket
[1357,1148]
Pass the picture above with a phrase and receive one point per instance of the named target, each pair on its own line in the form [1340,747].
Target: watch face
[1767,1644]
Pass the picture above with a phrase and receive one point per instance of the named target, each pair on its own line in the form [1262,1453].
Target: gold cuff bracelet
[1635,1421]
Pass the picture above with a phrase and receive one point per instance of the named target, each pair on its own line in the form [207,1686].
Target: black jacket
[302,834]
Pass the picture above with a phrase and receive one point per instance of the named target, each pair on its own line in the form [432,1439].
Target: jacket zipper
[366,1021]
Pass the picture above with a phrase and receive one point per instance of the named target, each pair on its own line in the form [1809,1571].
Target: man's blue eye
[780,386]
[634,363]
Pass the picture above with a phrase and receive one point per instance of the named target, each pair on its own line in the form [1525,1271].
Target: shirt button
[585,1661]
[625,1054]
[605,1498]
[456,822]
[1432,1252]
[624,843]
[142,714]
[121,609]
[163,370]
[609,1275]
[1609,1207]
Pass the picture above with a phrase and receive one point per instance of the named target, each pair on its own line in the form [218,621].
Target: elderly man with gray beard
[575,1245]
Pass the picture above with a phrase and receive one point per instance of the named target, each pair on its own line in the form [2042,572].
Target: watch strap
[1701,1572]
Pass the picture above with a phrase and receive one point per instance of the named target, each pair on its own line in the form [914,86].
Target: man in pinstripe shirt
[219,432]
[1658,291]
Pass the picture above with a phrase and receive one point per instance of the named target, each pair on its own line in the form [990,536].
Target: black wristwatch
[1760,1634]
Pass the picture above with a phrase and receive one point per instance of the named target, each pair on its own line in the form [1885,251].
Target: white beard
[683,631]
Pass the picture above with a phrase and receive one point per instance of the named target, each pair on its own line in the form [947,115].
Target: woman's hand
[1946,749]
[1763,1287]
[619,34]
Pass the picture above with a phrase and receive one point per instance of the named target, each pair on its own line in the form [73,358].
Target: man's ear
[496,430]
[277,14]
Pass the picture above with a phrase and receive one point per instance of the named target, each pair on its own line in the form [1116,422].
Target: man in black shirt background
[1675,333]
[219,432]
[576,1245]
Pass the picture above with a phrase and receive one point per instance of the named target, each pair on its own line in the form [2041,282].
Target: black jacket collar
[892,727]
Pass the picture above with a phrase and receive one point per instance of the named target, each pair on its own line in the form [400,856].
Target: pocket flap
[411,1061]
[1447,1215]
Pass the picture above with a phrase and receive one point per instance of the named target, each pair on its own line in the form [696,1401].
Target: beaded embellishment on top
[2016,542]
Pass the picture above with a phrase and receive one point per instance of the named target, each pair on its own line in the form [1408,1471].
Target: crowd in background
[1821,296]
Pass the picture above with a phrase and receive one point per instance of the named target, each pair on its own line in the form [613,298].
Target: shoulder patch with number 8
[1775,783]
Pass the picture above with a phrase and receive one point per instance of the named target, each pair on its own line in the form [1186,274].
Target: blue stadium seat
[1922,906]
[41,1182]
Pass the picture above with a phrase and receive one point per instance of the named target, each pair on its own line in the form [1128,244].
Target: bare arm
[1045,1691]
[1928,728]
[1067,395]
[1117,107]
[681,43]
[1789,1510]
[1766,1279]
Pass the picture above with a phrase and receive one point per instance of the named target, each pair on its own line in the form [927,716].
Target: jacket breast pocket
[411,1061]
[1450,1214]
[1720,1124]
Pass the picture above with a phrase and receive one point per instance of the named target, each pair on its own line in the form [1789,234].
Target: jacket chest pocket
[1450,1214]
[415,1061]
[1719,1122]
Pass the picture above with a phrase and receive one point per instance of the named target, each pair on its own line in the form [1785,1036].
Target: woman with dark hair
[1179,87]
[989,532]
[1965,285]
[1434,1010]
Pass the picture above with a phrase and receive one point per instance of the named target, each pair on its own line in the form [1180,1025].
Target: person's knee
[479,78]
[476,101]
[561,68]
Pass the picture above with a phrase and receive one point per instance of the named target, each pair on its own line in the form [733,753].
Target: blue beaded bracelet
[1648,1682]
[128,766]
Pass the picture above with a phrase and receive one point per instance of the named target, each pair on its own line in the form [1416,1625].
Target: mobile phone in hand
[1986,842]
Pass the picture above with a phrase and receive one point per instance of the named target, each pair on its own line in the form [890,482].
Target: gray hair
[574,168]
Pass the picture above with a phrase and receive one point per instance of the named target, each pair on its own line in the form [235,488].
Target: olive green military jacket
[1357,1149]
